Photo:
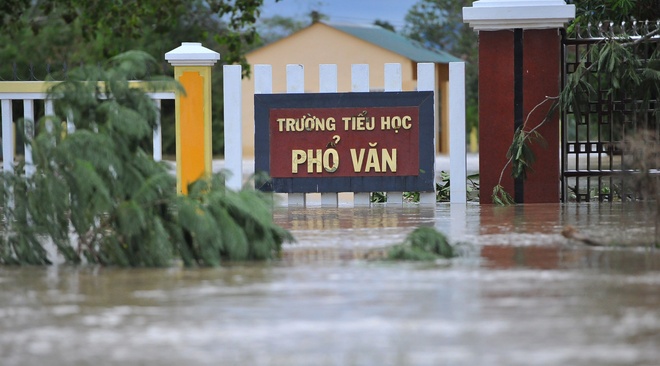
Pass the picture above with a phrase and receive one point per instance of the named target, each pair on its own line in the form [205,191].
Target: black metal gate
[593,162]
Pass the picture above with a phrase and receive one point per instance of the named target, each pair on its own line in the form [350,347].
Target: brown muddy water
[518,294]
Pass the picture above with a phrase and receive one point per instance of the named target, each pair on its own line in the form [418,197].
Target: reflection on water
[550,257]
[520,294]
[375,217]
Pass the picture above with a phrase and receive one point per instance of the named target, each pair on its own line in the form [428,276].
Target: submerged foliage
[520,152]
[423,243]
[97,195]
[443,188]
[501,197]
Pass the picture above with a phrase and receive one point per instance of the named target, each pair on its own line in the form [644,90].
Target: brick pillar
[519,65]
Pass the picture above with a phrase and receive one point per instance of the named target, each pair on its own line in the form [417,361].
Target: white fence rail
[30,92]
[295,83]
[457,133]
[33,92]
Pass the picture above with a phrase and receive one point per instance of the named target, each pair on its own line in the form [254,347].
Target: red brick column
[519,66]
[541,78]
[495,109]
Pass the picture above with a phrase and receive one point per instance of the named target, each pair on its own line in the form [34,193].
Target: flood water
[518,294]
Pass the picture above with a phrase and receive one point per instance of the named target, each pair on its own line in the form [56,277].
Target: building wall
[321,44]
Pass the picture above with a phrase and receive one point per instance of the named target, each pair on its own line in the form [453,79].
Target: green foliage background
[439,24]
[46,37]
[595,11]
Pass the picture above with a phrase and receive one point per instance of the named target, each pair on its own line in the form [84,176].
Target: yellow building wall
[322,44]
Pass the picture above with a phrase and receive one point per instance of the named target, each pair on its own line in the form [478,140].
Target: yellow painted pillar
[192,69]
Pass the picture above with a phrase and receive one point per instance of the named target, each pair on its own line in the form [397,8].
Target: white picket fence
[30,92]
[295,83]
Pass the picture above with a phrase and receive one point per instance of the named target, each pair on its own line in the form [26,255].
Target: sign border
[424,182]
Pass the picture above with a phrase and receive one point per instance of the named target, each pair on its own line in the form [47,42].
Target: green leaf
[501,197]
[422,244]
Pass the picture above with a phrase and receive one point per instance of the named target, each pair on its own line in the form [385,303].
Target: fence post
[360,83]
[457,148]
[519,67]
[263,84]
[328,84]
[28,116]
[426,82]
[295,83]
[393,80]
[157,139]
[7,137]
[192,68]
[232,92]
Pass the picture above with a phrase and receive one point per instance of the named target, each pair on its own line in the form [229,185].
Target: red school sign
[345,142]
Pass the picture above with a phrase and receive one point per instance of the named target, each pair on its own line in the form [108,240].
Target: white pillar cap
[525,14]
[192,54]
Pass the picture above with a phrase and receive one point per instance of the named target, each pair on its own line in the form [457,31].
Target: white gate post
[457,151]
[157,139]
[28,117]
[7,137]
[360,83]
[393,80]
[426,82]
[233,99]
[295,83]
[263,80]
[328,84]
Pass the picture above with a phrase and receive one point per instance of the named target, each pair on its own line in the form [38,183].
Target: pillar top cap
[511,14]
[504,3]
[192,54]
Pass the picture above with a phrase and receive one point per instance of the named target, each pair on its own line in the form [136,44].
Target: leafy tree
[384,24]
[98,196]
[242,31]
[62,35]
[11,11]
[594,11]
[110,25]
[277,27]
[439,24]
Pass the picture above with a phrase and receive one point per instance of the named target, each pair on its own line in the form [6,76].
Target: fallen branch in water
[570,232]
